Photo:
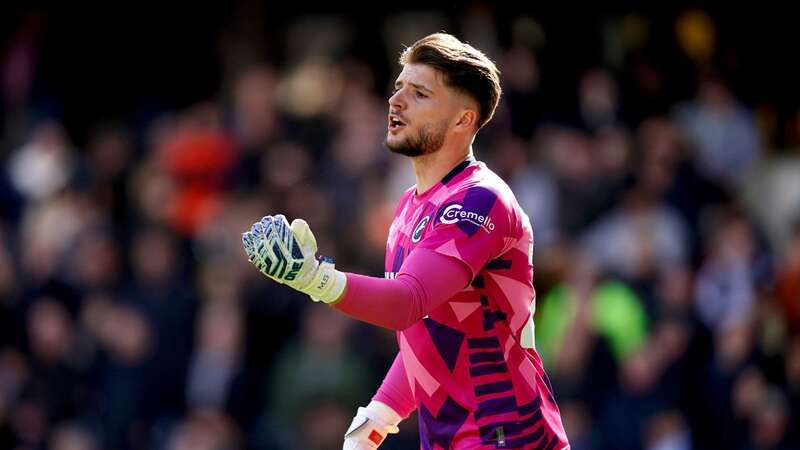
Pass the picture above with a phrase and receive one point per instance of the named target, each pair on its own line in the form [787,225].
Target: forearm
[394,304]
[395,391]
[425,281]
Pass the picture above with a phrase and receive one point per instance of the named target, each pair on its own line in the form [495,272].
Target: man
[459,269]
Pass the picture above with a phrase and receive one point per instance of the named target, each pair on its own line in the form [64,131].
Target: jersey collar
[458,169]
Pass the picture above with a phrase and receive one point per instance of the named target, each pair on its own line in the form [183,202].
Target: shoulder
[480,197]
[481,188]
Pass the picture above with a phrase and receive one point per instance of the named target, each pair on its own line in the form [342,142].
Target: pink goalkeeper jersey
[474,374]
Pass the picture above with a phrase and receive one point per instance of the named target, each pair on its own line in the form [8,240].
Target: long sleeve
[395,390]
[426,280]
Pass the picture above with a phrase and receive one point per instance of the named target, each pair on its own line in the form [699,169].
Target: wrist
[328,284]
[384,414]
[341,296]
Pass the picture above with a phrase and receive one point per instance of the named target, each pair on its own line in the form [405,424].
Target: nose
[396,102]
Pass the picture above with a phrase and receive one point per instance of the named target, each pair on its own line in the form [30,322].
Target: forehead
[421,74]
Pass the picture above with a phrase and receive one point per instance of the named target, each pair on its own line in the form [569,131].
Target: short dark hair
[464,67]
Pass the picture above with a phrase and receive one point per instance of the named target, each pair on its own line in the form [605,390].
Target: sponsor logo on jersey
[419,229]
[456,213]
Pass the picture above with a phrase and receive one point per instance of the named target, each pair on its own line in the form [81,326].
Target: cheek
[440,114]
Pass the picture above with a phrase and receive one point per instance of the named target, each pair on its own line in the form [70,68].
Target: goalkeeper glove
[287,254]
[370,427]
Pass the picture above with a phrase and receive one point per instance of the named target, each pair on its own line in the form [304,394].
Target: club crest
[419,229]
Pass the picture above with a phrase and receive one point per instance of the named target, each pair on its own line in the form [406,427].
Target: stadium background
[655,149]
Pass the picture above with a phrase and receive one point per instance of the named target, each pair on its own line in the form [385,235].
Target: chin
[392,140]
[393,145]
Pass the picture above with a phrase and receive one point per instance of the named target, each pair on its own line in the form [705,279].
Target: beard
[428,139]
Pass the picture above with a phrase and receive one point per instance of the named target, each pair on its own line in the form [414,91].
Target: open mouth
[395,123]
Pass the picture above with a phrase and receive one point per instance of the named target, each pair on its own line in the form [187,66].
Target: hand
[271,247]
[370,427]
[287,254]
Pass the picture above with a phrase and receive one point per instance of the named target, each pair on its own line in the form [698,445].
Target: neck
[431,168]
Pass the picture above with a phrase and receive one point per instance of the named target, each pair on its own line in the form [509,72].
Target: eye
[421,95]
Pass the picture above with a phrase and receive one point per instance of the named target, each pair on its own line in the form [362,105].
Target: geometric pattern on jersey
[415,371]
[398,259]
[447,340]
[442,428]
[463,310]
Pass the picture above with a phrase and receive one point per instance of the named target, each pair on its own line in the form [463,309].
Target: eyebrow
[398,83]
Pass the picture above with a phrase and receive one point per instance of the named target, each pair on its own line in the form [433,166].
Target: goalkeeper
[459,269]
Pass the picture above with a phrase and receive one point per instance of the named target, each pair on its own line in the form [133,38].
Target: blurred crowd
[665,208]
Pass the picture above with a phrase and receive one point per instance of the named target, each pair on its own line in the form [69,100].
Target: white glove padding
[287,254]
[370,427]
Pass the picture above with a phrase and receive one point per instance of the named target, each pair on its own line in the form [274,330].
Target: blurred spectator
[725,289]
[579,426]
[276,175]
[198,156]
[770,194]
[791,371]
[125,395]
[598,104]
[613,153]
[219,241]
[667,431]
[609,308]
[635,400]
[323,420]
[14,373]
[522,90]
[733,354]
[769,425]
[318,366]
[666,171]
[19,60]
[110,153]
[643,84]
[696,33]
[43,249]
[205,431]
[723,132]
[216,379]
[255,122]
[9,294]
[585,327]
[216,360]
[152,192]
[72,437]
[639,238]
[787,283]
[43,165]
[96,260]
[581,197]
[29,424]
[537,193]
[160,291]
[254,116]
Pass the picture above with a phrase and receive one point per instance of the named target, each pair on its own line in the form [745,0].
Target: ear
[467,119]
